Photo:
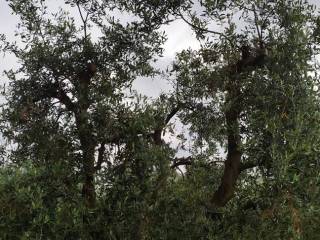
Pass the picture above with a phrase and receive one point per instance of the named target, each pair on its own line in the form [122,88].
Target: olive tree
[67,99]
[249,96]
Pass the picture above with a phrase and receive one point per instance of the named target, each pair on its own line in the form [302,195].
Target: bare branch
[181,162]
[63,98]
[84,20]
[54,91]
[206,30]
[256,20]
[158,131]
[101,151]
[181,172]
[171,114]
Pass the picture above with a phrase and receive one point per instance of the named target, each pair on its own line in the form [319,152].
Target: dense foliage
[85,156]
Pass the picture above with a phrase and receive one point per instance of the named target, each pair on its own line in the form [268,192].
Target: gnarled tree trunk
[86,137]
[232,165]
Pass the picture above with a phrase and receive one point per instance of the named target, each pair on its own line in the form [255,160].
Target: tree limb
[101,151]
[54,91]
[181,162]
[206,30]
[172,114]
[158,131]
[247,165]
[63,98]
[233,166]
[84,20]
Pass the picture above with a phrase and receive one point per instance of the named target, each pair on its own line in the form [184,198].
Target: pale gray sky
[179,35]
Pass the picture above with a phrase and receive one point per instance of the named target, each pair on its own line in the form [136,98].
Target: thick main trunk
[88,189]
[86,137]
[232,164]
[88,151]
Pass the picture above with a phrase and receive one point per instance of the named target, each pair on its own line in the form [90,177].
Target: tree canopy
[85,156]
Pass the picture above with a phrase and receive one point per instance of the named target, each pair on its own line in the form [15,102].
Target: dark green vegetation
[85,156]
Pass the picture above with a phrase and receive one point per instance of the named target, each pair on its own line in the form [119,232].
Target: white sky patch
[7,27]
[180,37]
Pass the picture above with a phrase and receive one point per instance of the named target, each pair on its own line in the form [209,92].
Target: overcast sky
[179,34]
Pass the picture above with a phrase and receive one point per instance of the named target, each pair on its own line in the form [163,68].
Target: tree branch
[84,20]
[233,166]
[206,30]
[63,98]
[54,91]
[256,20]
[158,131]
[181,162]
[171,114]
[101,151]
[248,165]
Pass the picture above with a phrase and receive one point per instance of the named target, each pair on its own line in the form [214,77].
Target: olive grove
[85,156]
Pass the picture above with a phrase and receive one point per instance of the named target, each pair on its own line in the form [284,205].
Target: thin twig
[206,30]
[256,19]
[84,20]
[101,151]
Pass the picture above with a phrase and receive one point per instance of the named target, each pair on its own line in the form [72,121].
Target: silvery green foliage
[138,194]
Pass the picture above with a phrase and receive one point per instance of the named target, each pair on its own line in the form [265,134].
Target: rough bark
[232,165]
[143,224]
[88,189]
[86,137]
